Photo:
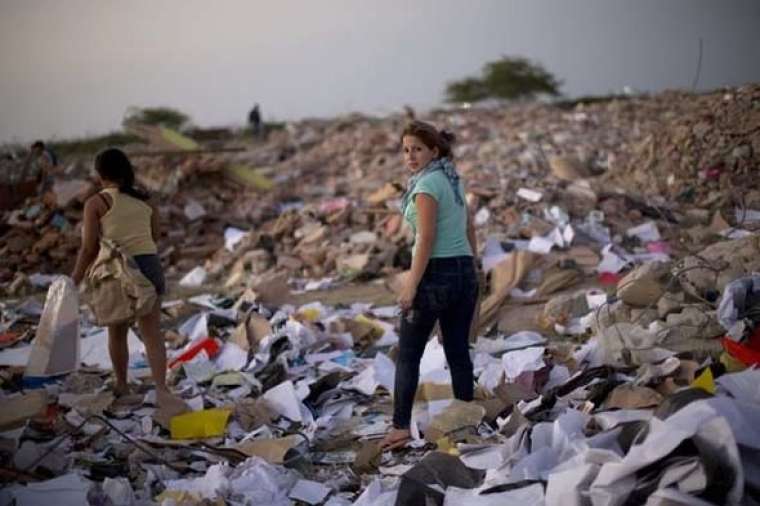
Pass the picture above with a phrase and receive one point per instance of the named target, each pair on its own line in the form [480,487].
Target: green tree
[163,116]
[507,78]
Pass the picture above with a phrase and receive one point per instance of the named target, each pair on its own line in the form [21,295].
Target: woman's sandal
[396,439]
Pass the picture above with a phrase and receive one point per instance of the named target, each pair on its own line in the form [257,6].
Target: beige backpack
[115,288]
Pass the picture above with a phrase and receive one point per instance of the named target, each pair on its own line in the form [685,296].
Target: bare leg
[150,330]
[117,349]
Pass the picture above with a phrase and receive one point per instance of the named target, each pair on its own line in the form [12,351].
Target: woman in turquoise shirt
[442,285]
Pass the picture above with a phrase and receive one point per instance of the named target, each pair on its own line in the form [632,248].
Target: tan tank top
[128,224]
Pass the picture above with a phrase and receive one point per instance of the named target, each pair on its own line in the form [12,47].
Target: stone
[700,274]
[353,264]
[644,285]
[562,308]
[567,168]
[670,303]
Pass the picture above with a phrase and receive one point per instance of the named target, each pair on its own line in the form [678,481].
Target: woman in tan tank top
[122,213]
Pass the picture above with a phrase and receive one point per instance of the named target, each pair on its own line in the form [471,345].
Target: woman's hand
[406,297]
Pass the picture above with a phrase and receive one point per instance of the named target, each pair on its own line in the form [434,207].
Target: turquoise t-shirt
[451,218]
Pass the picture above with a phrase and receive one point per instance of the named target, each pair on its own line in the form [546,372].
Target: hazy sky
[72,67]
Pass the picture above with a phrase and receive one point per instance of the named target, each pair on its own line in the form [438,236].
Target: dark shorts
[150,266]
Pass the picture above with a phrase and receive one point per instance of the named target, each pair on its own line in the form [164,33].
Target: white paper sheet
[231,357]
[213,484]
[520,361]
[195,327]
[380,492]
[194,210]
[386,311]
[260,482]
[68,490]
[17,357]
[433,361]
[195,278]
[482,217]
[541,245]
[646,232]
[516,341]
[482,456]
[611,419]
[284,401]
[94,348]
[232,237]
[564,488]
[617,479]
[742,385]
[529,195]
[493,254]
[610,261]
[309,491]
[530,495]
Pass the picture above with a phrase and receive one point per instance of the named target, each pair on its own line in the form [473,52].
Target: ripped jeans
[447,293]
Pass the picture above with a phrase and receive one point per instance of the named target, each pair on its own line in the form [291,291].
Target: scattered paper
[309,492]
[284,401]
[232,237]
[525,360]
[646,232]
[194,278]
[529,195]
[68,490]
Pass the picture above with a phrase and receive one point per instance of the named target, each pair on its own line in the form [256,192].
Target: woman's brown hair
[431,137]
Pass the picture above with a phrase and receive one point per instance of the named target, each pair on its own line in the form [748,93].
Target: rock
[290,263]
[644,285]
[610,314]
[670,303]
[363,237]
[353,264]
[644,316]
[562,308]
[691,323]
[194,210]
[568,169]
[702,273]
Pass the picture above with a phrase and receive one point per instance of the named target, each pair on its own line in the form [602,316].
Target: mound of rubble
[614,351]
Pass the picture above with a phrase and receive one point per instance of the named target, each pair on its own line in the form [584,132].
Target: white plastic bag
[55,349]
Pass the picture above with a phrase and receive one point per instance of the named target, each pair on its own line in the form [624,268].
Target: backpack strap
[105,200]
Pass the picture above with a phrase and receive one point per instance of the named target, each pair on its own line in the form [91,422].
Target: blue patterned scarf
[442,164]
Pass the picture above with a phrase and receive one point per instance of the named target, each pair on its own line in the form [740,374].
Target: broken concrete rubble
[644,285]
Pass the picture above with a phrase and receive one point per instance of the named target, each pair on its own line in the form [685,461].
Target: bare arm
[471,234]
[427,208]
[93,210]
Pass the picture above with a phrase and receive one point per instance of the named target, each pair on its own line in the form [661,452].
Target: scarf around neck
[442,164]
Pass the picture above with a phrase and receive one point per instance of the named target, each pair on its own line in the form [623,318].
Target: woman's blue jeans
[447,293]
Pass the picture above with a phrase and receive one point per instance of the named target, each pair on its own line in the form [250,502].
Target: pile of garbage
[288,405]
[321,195]
[615,347]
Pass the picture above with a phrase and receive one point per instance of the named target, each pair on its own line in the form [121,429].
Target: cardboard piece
[504,277]
[20,408]
[273,451]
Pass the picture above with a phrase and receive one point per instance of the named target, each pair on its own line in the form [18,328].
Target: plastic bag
[55,349]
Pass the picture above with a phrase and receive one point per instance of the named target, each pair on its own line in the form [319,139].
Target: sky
[71,68]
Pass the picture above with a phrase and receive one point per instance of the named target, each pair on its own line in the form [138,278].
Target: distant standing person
[442,285]
[38,166]
[254,120]
[123,214]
